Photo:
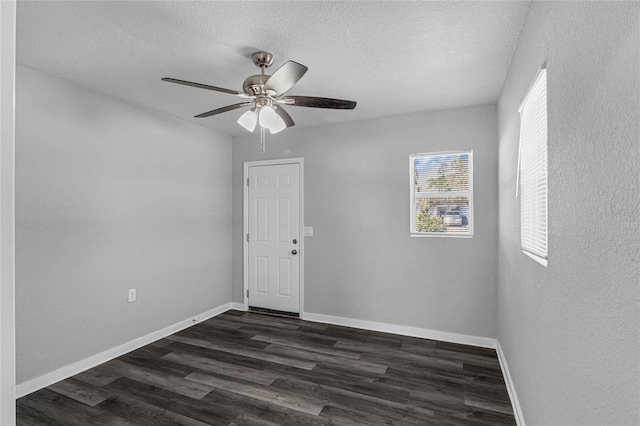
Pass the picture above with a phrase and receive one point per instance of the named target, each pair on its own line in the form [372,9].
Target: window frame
[535,247]
[413,198]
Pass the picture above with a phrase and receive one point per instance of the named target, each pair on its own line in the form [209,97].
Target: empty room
[320,213]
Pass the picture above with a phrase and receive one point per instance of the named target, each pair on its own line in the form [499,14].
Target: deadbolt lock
[295,241]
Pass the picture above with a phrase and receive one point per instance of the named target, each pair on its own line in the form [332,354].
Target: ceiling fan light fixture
[280,126]
[268,118]
[248,120]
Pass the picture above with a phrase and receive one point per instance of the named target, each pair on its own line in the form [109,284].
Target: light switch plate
[308,231]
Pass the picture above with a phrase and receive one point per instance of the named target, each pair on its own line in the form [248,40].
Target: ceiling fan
[265,94]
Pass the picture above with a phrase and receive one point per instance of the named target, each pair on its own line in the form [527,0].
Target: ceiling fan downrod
[262,60]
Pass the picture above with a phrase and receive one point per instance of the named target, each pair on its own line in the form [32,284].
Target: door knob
[294,252]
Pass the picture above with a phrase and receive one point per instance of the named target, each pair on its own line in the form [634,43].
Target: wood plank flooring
[243,368]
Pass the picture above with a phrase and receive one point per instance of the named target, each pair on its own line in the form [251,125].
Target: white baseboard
[238,306]
[65,372]
[484,342]
[517,411]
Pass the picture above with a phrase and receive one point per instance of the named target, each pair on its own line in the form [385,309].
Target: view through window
[442,194]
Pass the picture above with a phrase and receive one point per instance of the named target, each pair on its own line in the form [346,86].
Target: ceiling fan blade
[223,109]
[285,116]
[203,86]
[314,102]
[285,77]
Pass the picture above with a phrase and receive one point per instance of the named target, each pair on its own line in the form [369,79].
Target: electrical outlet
[132,295]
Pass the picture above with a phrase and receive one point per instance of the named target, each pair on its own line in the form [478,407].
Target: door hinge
[247,181]
[247,237]
[247,293]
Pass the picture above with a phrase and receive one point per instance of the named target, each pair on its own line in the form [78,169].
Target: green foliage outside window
[428,223]
[452,176]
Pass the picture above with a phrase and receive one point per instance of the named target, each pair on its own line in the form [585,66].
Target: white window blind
[442,194]
[532,171]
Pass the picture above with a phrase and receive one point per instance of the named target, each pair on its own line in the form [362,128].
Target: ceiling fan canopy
[265,94]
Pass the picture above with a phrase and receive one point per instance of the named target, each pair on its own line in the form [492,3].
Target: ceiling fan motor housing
[254,85]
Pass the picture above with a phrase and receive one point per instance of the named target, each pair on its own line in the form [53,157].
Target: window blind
[532,171]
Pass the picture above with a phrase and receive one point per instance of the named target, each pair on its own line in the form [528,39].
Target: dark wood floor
[250,369]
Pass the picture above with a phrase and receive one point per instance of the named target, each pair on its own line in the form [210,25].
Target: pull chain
[263,143]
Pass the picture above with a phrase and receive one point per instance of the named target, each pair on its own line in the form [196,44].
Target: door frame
[7,212]
[245,223]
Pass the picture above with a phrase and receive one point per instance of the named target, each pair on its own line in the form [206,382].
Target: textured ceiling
[391,57]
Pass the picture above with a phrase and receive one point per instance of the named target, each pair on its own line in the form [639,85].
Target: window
[532,171]
[442,194]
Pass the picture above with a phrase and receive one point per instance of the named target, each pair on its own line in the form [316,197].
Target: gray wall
[570,332]
[361,262]
[111,197]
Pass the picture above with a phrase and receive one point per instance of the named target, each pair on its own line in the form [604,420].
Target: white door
[274,237]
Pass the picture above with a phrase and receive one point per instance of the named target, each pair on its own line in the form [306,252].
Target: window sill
[440,235]
[537,258]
